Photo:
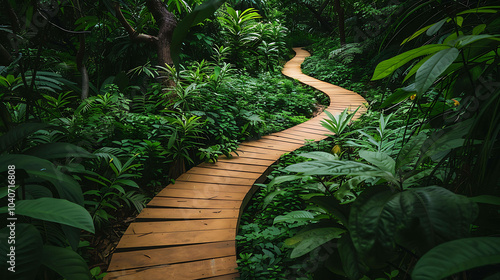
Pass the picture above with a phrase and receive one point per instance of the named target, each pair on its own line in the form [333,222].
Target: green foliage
[463,254]
[338,123]
[114,189]
[51,201]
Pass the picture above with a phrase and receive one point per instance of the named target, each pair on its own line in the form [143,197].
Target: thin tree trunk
[340,15]
[80,57]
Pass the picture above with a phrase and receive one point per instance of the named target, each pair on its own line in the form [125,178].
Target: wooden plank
[185,214]
[278,146]
[297,135]
[262,162]
[202,187]
[224,173]
[156,239]
[186,177]
[305,135]
[318,131]
[171,255]
[273,156]
[276,137]
[201,210]
[214,193]
[255,148]
[234,166]
[261,150]
[193,203]
[182,271]
[176,226]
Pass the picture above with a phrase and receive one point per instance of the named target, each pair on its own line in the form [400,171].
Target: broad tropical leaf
[56,210]
[294,216]
[386,67]
[18,133]
[416,218]
[305,242]
[433,68]
[43,169]
[456,256]
[58,150]
[66,262]
[28,252]
[410,150]
[380,160]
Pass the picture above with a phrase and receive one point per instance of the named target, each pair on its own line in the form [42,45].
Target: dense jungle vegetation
[103,103]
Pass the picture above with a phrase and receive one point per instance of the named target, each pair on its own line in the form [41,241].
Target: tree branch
[132,33]
[166,23]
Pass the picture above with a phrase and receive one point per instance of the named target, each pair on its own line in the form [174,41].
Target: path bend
[188,230]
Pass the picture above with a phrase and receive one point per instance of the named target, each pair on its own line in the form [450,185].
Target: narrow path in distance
[188,230]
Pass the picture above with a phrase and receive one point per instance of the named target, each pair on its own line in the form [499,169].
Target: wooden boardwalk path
[188,230]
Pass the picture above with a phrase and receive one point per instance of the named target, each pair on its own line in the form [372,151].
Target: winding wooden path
[188,230]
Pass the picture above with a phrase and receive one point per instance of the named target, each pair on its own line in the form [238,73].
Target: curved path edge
[188,230]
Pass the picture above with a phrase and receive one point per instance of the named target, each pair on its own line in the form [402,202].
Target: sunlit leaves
[387,67]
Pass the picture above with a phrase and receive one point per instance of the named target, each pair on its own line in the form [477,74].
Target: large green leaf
[66,262]
[370,222]
[410,150]
[333,207]
[56,210]
[416,218]
[28,252]
[58,150]
[307,241]
[456,256]
[283,179]
[440,143]
[486,199]
[294,216]
[353,267]
[415,67]
[441,215]
[332,167]
[463,41]
[433,68]
[386,67]
[436,26]
[380,160]
[18,133]
[319,156]
[43,169]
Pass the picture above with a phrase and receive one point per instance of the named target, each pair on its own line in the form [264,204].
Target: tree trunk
[80,58]
[340,15]
[166,22]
